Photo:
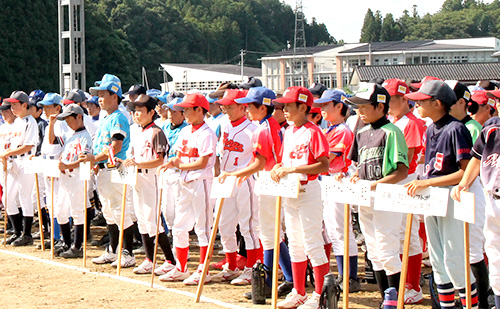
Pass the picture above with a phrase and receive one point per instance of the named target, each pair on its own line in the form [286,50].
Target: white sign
[346,192]
[124,175]
[51,168]
[85,170]
[223,190]
[432,201]
[287,187]
[33,166]
[465,209]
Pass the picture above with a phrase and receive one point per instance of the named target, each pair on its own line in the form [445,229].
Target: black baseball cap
[136,89]
[370,93]
[317,89]
[143,100]
[250,83]
[437,89]
[461,91]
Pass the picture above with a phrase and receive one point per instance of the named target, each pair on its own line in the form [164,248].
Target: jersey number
[236,161]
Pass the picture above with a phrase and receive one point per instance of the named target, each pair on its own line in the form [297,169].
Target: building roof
[446,71]
[221,68]
[408,46]
[300,51]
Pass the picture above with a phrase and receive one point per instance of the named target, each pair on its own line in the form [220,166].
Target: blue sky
[344,19]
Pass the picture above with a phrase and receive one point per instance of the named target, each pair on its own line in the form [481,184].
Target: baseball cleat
[194,279]
[165,268]
[146,267]
[174,275]
[226,274]
[292,300]
[312,302]
[245,277]
[72,253]
[128,260]
[107,257]
[412,296]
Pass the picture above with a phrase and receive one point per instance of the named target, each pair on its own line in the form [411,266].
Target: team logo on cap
[342,99]
[491,102]
[114,88]
[467,95]
[303,97]
[266,101]
[381,98]
[402,89]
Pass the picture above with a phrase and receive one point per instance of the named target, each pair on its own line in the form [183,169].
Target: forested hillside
[124,35]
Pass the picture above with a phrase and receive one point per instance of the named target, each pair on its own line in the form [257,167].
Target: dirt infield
[30,278]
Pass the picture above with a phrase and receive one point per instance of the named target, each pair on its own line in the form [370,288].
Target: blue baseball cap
[50,99]
[258,95]
[210,100]
[36,96]
[172,104]
[153,92]
[94,99]
[163,97]
[108,82]
[335,95]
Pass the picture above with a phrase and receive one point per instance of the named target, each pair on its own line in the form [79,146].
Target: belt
[144,170]
[18,156]
[50,157]
[105,166]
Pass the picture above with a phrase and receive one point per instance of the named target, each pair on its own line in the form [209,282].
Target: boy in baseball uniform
[447,154]
[340,139]
[148,151]
[195,159]
[304,151]
[380,151]
[70,194]
[242,207]
[413,131]
[19,184]
[112,140]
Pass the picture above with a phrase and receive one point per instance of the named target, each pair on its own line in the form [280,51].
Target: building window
[416,60]
[394,60]
[362,62]
[425,59]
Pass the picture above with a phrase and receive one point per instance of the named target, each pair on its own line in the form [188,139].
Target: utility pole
[71,28]
[242,53]
[299,43]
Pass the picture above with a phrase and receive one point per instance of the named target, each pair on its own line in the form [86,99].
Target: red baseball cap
[396,86]
[493,93]
[481,97]
[315,110]
[193,100]
[416,86]
[296,94]
[230,95]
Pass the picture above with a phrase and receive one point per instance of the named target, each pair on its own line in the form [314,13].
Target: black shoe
[248,295]
[11,239]
[98,220]
[285,288]
[72,253]
[24,240]
[36,235]
[60,248]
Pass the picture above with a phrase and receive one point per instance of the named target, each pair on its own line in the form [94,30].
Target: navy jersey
[492,121]
[448,142]
[487,149]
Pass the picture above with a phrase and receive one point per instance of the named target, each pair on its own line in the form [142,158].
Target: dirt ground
[33,283]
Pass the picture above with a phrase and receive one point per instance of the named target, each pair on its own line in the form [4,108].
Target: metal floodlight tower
[300,43]
[71,45]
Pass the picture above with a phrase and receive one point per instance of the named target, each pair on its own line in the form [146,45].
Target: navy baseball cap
[250,83]
[36,96]
[108,82]
[437,89]
[370,93]
[50,99]
[136,89]
[317,89]
[335,95]
[258,95]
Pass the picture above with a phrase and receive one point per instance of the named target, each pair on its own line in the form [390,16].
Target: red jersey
[340,139]
[267,142]
[413,130]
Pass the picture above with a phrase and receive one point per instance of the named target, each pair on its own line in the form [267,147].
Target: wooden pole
[347,225]
[468,298]
[52,217]
[276,253]
[122,223]
[220,203]
[40,219]
[158,221]
[404,270]
[5,217]
[85,227]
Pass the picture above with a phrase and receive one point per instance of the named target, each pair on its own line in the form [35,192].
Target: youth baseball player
[446,156]
[304,151]
[195,158]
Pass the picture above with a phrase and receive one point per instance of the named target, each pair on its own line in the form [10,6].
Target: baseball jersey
[54,150]
[339,139]
[378,148]
[75,144]
[237,145]
[7,133]
[214,123]
[413,131]
[267,141]
[25,132]
[116,123]
[149,143]
[172,133]
[473,126]
[492,121]
[448,142]
[303,146]
[195,142]
[487,149]
[42,124]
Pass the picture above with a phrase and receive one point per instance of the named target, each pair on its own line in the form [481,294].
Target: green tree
[391,31]
[368,29]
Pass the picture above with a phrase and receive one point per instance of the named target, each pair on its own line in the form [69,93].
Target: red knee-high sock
[251,257]
[414,269]
[203,254]
[423,236]
[299,276]
[182,257]
[260,253]
[328,251]
[231,260]
[319,276]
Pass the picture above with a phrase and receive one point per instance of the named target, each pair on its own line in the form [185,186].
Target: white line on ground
[120,278]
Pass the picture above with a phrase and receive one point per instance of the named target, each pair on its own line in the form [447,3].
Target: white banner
[85,171]
[465,209]
[223,190]
[124,175]
[33,166]
[51,168]
[287,187]
[432,201]
[346,192]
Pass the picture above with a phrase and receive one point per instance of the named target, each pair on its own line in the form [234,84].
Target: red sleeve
[413,134]
[318,145]
[340,141]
